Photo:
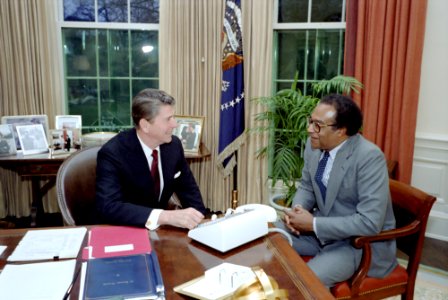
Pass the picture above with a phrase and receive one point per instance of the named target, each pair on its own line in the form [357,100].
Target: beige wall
[433,105]
[430,166]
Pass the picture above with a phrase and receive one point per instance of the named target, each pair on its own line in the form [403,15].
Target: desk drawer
[38,170]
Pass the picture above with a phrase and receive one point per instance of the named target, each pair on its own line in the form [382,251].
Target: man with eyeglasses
[344,192]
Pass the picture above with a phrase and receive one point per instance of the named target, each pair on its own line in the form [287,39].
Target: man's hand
[298,220]
[185,218]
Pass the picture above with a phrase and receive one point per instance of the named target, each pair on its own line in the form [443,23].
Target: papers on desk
[36,281]
[49,244]
[217,283]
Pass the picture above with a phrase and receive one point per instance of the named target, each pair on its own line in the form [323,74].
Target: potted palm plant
[286,121]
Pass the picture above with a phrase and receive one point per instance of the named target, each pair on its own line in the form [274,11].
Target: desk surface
[182,260]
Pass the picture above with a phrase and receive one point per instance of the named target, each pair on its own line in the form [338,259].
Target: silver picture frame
[32,139]
[26,120]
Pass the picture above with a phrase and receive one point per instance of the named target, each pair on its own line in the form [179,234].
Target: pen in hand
[70,287]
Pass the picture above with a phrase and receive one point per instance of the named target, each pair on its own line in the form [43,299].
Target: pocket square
[177,174]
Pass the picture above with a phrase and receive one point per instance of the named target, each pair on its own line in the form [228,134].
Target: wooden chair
[411,209]
[75,185]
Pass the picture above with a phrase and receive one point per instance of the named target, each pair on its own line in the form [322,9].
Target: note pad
[49,244]
[47,280]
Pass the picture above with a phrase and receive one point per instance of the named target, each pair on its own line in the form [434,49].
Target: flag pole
[235,185]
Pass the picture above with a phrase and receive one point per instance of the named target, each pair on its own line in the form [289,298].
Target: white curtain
[30,83]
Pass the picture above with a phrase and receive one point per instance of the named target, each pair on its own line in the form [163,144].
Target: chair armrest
[360,241]
[364,243]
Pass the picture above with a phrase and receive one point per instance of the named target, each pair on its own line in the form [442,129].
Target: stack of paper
[44,280]
[121,265]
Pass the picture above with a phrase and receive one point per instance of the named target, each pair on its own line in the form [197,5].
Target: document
[123,277]
[36,281]
[49,244]
[110,241]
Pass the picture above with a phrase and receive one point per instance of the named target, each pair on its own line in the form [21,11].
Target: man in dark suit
[344,192]
[129,190]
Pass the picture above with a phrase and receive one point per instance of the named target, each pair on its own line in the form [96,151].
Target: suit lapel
[316,154]
[138,160]
[338,171]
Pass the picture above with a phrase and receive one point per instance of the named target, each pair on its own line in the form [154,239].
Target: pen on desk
[70,287]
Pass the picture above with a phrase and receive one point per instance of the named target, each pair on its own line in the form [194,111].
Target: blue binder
[124,277]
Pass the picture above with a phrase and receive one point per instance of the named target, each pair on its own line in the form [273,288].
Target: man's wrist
[153,220]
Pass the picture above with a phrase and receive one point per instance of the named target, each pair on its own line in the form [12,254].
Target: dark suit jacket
[124,186]
[358,199]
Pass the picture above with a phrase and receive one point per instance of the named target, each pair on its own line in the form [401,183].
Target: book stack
[121,265]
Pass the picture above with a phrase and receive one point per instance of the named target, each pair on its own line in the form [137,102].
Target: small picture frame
[65,140]
[189,131]
[32,139]
[26,120]
[7,141]
[68,122]
[71,126]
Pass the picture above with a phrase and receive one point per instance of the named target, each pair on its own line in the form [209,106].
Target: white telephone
[246,223]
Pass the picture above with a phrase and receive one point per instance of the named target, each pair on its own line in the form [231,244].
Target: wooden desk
[39,167]
[42,167]
[182,259]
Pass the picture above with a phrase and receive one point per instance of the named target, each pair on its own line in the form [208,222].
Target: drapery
[384,46]
[30,83]
[190,70]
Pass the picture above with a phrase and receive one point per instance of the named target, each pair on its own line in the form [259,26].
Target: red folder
[110,241]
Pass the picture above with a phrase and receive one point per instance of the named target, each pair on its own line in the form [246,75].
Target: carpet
[431,284]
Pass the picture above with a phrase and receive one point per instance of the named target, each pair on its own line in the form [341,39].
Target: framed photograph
[189,132]
[68,122]
[32,139]
[66,139]
[26,120]
[7,141]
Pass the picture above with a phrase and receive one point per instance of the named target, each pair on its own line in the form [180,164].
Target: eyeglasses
[318,126]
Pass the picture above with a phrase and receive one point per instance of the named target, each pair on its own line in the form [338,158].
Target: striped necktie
[320,174]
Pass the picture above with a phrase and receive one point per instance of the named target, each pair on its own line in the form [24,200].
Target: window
[308,39]
[110,53]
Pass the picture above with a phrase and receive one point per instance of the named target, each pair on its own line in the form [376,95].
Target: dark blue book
[124,277]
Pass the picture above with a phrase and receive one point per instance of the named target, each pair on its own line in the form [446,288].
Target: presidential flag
[231,125]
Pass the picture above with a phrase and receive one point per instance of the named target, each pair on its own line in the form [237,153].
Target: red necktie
[155,173]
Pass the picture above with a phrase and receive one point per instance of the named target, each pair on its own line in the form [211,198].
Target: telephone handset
[270,213]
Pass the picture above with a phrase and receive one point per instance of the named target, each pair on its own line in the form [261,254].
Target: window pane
[141,84]
[112,10]
[328,53]
[115,103]
[145,11]
[82,95]
[79,52]
[79,10]
[145,54]
[118,56]
[290,11]
[315,54]
[326,11]
[292,47]
[103,52]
